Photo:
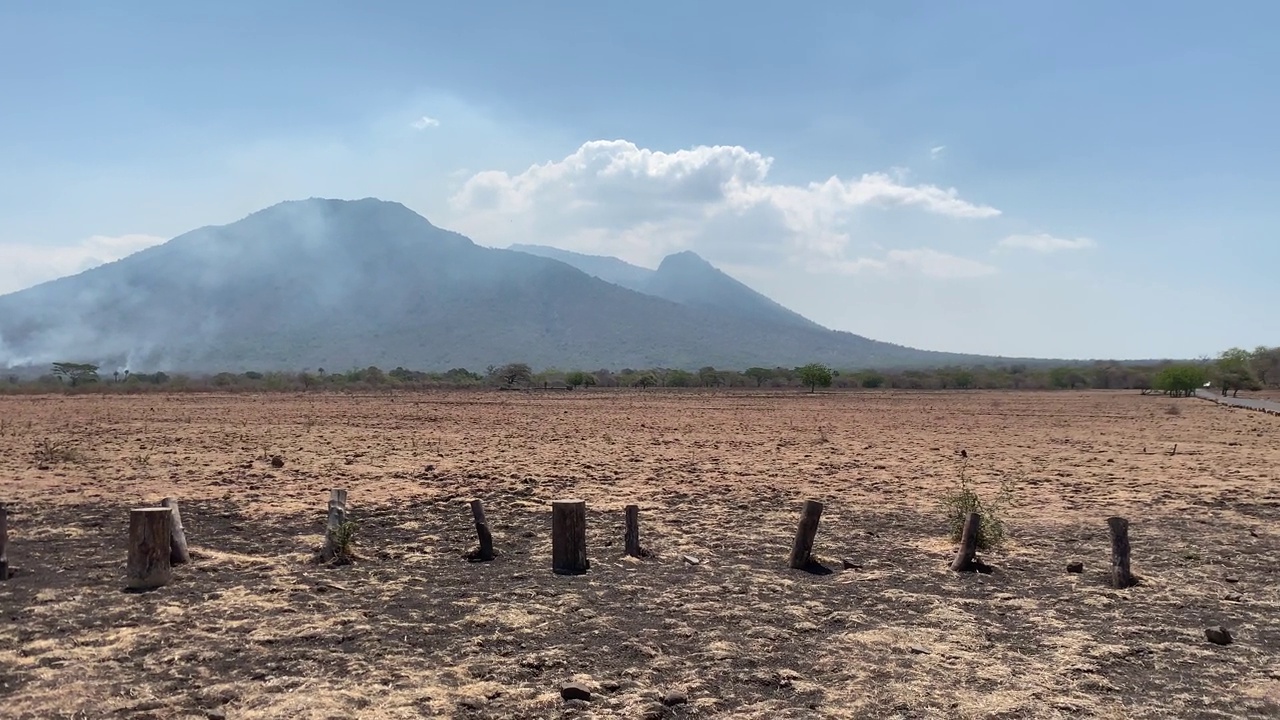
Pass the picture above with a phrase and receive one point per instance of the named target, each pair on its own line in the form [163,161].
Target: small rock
[575,691]
[1233,597]
[1231,579]
[851,565]
[473,703]
[675,697]
[277,461]
[918,650]
[216,714]
[1075,567]
[611,685]
[1218,635]
[691,560]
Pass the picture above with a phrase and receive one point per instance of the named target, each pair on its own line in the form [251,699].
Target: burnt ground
[252,628]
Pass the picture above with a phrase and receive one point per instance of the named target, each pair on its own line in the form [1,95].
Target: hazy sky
[1080,179]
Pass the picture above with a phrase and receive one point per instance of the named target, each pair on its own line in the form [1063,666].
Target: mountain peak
[685,259]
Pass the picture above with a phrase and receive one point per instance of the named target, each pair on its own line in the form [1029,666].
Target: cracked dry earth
[251,629]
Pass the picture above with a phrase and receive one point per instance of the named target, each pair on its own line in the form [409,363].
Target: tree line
[1233,370]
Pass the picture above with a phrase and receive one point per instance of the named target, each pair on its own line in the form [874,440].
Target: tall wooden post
[150,534]
[631,537]
[4,543]
[569,537]
[485,551]
[802,548]
[178,553]
[966,559]
[1121,577]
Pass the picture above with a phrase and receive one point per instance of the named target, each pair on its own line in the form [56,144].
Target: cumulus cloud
[613,196]
[425,122]
[1044,243]
[29,264]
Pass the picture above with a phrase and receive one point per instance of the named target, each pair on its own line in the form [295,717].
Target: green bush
[964,499]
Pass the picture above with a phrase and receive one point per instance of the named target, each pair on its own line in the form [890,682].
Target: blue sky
[1069,180]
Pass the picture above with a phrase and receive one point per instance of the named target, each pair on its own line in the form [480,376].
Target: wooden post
[150,535]
[178,553]
[1121,577]
[485,551]
[966,559]
[337,516]
[569,537]
[631,537]
[802,548]
[4,543]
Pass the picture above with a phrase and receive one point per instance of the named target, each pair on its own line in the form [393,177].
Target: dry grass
[413,630]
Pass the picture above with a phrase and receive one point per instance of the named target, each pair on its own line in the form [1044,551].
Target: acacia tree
[513,373]
[815,374]
[76,373]
[759,374]
[578,378]
[1235,371]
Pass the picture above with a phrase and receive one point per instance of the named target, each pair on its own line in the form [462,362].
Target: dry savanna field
[253,629]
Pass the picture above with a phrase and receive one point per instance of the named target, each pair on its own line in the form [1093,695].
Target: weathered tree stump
[967,558]
[1121,576]
[337,518]
[178,553]
[802,548]
[485,551]
[569,537]
[150,537]
[4,543]
[631,537]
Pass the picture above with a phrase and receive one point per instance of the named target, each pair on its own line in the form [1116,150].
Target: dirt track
[252,630]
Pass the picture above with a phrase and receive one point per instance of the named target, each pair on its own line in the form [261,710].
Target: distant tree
[1234,371]
[1066,378]
[252,375]
[759,374]
[646,380]
[1265,364]
[814,375]
[708,376]
[872,380]
[76,373]
[679,378]
[1180,380]
[578,378]
[462,375]
[513,373]
[962,379]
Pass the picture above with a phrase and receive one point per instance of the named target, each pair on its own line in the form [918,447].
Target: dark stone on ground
[675,697]
[1075,567]
[1218,635]
[575,691]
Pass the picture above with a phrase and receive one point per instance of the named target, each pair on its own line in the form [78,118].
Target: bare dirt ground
[251,629]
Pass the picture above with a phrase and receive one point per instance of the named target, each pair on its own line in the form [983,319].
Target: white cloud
[1043,243]
[936,152]
[922,261]
[29,264]
[425,122]
[613,196]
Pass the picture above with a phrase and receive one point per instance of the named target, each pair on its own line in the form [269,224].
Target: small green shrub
[964,499]
[344,540]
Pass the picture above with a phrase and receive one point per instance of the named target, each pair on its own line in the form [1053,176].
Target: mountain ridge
[345,283]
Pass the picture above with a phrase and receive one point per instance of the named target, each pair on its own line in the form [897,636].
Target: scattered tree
[76,373]
[814,375]
[578,378]
[1180,380]
[513,373]
[759,374]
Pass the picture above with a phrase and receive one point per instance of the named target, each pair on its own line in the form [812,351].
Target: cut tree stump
[4,543]
[569,537]
[485,551]
[337,517]
[802,548]
[150,537]
[631,537]
[1121,576]
[178,553]
[967,559]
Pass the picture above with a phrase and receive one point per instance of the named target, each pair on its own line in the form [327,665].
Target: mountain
[340,284]
[683,278]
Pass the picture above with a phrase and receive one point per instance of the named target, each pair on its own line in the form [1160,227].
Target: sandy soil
[252,629]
